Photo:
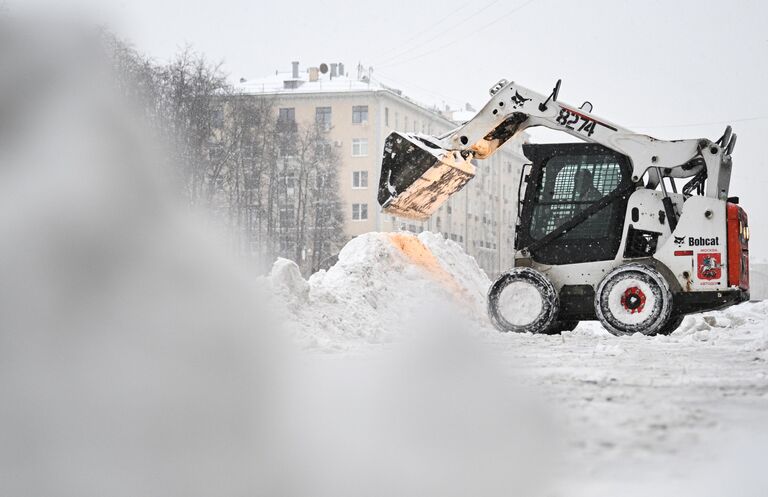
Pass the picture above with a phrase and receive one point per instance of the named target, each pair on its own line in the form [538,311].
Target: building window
[289,182]
[360,179]
[250,152]
[215,152]
[218,118]
[405,125]
[287,215]
[359,212]
[286,119]
[286,115]
[320,181]
[397,120]
[285,243]
[359,114]
[323,117]
[359,147]
[386,116]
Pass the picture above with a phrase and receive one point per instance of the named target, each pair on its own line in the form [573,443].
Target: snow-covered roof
[283,82]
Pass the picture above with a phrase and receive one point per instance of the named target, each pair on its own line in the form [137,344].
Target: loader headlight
[744,231]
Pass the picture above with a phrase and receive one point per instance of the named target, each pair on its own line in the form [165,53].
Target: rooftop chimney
[334,68]
[341,69]
[314,74]
[295,72]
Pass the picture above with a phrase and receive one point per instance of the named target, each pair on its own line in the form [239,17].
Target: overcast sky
[672,69]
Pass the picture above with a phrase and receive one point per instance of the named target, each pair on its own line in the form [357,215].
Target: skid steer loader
[603,232]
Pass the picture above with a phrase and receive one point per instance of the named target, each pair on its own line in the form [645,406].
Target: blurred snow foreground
[136,358]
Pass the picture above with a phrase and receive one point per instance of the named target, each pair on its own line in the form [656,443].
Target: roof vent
[295,71]
[334,68]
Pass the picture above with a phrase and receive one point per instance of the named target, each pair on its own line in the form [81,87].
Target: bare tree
[313,232]
[272,181]
[248,136]
[326,224]
[190,89]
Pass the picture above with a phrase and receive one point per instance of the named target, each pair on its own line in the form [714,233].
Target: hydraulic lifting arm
[419,172]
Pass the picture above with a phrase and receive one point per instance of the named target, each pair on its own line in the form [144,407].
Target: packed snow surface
[634,414]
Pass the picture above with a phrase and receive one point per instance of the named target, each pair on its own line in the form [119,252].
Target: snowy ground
[647,410]
[632,415]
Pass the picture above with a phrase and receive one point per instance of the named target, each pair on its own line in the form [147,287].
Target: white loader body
[599,235]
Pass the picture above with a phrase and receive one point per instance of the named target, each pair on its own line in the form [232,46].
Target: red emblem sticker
[710,266]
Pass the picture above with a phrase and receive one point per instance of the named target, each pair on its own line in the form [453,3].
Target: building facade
[359,114]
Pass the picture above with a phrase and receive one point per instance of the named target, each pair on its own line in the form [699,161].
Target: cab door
[565,180]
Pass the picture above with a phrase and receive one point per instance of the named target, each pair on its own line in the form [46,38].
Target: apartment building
[359,113]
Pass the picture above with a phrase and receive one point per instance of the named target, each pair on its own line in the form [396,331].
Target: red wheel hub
[633,300]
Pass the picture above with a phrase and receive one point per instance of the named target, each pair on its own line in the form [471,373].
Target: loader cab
[583,187]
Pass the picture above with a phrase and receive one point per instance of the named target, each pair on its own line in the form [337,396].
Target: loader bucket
[417,176]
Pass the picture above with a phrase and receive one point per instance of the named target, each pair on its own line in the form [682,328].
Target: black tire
[634,298]
[532,280]
[671,325]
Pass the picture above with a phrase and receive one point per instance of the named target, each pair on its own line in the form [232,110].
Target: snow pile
[383,282]
[742,326]
[379,284]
